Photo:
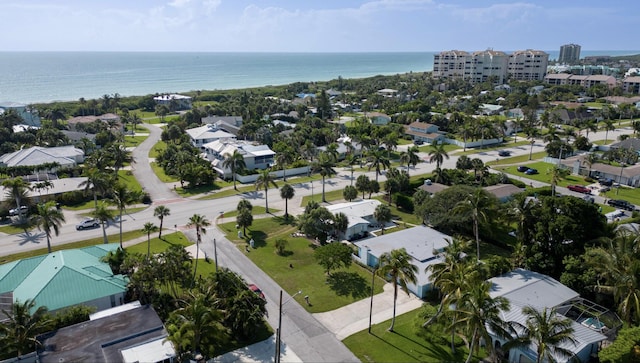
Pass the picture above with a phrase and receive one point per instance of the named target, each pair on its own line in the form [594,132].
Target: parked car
[14,211]
[605,181]
[418,142]
[579,189]
[256,289]
[504,153]
[87,223]
[523,168]
[531,171]
[622,204]
[588,199]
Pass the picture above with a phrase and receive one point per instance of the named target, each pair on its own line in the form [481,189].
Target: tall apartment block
[569,54]
[478,67]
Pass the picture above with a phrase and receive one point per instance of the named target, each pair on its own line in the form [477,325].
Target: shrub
[403,202]
[281,246]
[73,198]
[624,349]
[518,183]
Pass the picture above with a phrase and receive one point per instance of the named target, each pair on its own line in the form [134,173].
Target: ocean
[38,77]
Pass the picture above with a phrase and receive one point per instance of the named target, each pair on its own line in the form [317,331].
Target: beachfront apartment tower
[450,64]
[528,65]
[569,54]
[487,65]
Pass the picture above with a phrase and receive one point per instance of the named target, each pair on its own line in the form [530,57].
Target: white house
[422,243]
[208,133]
[255,156]
[174,101]
[230,124]
[360,215]
[65,156]
[527,288]
[343,149]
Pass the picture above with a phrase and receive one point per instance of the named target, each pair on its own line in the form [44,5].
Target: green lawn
[116,211]
[126,177]
[518,159]
[629,194]
[544,174]
[157,148]
[406,343]
[447,147]
[344,287]
[11,229]
[399,215]
[113,238]
[256,210]
[478,150]
[160,245]
[202,189]
[317,195]
[133,141]
[159,171]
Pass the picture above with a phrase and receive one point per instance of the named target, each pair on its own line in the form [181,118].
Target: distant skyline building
[569,53]
[478,67]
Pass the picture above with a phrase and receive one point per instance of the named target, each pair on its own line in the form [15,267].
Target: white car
[87,223]
[14,211]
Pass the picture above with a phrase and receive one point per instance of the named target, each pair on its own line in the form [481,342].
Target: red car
[579,189]
[256,289]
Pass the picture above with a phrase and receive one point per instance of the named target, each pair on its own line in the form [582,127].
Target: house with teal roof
[62,279]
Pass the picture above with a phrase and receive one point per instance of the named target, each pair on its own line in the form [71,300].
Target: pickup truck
[579,189]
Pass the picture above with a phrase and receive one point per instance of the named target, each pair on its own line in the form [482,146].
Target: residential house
[489,109]
[360,215]
[131,333]
[387,92]
[66,278]
[504,192]
[378,118]
[422,131]
[568,116]
[174,102]
[306,99]
[64,156]
[255,156]
[423,244]
[208,133]
[231,124]
[628,175]
[432,188]
[589,321]
[108,118]
[345,145]
[28,115]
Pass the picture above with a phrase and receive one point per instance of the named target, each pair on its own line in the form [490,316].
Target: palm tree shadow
[397,348]
[27,237]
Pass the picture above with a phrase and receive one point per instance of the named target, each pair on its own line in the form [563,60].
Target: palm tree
[557,174]
[591,159]
[123,196]
[103,214]
[119,156]
[286,192]
[397,265]
[265,179]
[477,205]
[608,126]
[382,214]
[438,153]
[545,330]
[149,228]
[410,157]
[617,263]
[282,159]
[199,222]
[17,189]
[161,211]
[480,314]
[97,181]
[198,319]
[18,333]
[48,218]
[324,165]
[378,160]
[235,162]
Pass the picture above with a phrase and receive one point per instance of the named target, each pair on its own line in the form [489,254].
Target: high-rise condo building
[528,65]
[569,53]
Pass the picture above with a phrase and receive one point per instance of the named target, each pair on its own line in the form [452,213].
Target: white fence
[247,179]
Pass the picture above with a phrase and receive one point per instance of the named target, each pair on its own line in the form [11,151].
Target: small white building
[175,102]
[255,156]
[208,133]
[360,216]
[422,243]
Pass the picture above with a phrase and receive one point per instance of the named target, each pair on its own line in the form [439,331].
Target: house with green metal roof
[65,278]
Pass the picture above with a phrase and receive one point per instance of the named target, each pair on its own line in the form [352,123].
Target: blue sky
[315,25]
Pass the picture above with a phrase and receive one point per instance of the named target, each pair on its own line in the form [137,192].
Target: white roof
[361,208]
[36,155]
[171,97]
[527,288]
[115,310]
[422,243]
[207,132]
[228,146]
[157,350]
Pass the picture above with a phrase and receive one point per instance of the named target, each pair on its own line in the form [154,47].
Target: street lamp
[279,329]
[373,280]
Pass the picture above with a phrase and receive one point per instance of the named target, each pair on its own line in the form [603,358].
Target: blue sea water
[33,77]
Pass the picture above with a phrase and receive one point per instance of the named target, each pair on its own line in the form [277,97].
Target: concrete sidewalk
[354,317]
[258,353]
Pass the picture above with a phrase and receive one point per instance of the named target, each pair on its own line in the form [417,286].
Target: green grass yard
[344,287]
[543,174]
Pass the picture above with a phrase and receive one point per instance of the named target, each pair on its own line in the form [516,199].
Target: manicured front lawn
[447,147]
[133,141]
[405,343]
[160,245]
[317,195]
[157,149]
[127,178]
[256,210]
[544,175]
[478,150]
[629,194]
[325,293]
[159,171]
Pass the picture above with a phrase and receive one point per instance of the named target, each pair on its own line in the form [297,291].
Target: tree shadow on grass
[348,284]
[289,221]
[397,348]
[259,239]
